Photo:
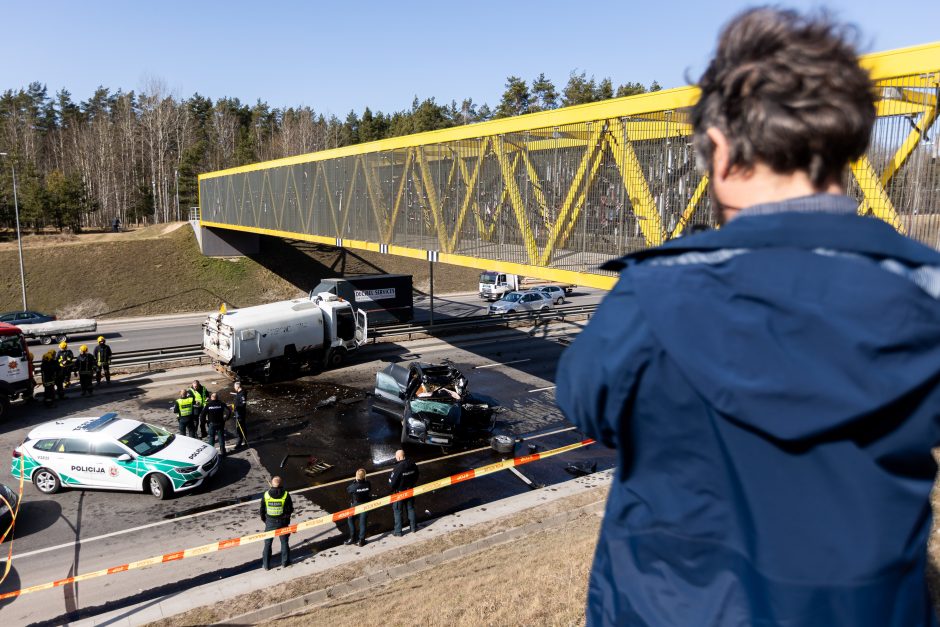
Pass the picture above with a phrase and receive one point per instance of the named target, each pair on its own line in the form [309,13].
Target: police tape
[308,524]
[14,512]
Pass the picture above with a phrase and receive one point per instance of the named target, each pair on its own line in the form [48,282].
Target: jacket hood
[790,324]
[276,493]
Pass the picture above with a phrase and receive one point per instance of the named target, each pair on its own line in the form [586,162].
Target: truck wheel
[62,338]
[45,339]
[334,359]
[46,481]
[159,486]
[4,407]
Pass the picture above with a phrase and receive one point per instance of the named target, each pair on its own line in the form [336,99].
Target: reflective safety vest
[274,507]
[66,358]
[103,354]
[198,396]
[185,406]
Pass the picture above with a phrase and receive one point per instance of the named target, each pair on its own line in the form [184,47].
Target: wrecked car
[433,404]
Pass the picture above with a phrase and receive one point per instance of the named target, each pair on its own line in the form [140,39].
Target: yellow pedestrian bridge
[555,194]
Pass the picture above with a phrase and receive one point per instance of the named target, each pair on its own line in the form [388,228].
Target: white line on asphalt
[551,387]
[160,523]
[505,363]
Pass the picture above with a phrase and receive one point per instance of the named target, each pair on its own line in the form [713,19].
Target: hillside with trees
[135,156]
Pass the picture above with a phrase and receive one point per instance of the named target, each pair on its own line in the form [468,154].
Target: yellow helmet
[63,345]
[83,349]
[101,339]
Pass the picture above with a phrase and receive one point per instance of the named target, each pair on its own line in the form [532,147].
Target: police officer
[276,510]
[85,366]
[103,360]
[360,491]
[183,408]
[404,476]
[215,413]
[240,411]
[200,395]
[49,370]
[66,360]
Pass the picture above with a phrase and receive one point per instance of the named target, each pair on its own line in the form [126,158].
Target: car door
[75,464]
[390,388]
[121,473]
[530,302]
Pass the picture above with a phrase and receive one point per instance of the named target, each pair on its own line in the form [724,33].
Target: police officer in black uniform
[183,407]
[404,476]
[214,414]
[240,412]
[360,491]
[276,510]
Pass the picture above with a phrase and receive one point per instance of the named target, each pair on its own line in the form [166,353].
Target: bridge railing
[554,194]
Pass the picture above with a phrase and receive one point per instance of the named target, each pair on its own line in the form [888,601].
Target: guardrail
[157,356]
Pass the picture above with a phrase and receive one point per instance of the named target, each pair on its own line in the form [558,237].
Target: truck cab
[16,368]
[494,285]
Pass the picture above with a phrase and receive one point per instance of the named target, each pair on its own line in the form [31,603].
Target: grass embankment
[159,270]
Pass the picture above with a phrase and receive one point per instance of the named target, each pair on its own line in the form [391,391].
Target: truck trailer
[285,338]
[384,297]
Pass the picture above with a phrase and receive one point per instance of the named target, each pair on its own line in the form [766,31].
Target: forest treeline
[135,156]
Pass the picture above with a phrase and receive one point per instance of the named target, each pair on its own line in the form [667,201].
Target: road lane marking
[505,363]
[551,387]
[160,523]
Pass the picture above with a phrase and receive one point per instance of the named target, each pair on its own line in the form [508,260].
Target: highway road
[133,334]
[78,531]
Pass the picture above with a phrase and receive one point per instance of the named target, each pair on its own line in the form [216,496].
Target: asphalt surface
[84,530]
[135,334]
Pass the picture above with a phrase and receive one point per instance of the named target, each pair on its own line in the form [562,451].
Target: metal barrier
[555,194]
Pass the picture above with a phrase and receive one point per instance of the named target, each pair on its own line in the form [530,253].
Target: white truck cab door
[362,327]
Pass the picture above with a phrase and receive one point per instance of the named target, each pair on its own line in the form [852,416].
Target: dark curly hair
[786,90]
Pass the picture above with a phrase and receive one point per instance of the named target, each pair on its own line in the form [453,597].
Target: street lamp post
[19,240]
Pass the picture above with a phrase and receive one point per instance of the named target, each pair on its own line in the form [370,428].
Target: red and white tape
[302,526]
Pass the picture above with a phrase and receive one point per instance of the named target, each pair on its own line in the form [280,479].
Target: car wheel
[159,486]
[46,481]
[545,308]
[560,300]
[504,444]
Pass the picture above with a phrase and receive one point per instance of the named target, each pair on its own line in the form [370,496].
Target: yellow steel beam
[887,107]
[329,198]
[876,199]
[635,183]
[402,184]
[435,203]
[379,210]
[689,210]
[515,198]
[582,196]
[314,186]
[348,199]
[469,199]
[570,204]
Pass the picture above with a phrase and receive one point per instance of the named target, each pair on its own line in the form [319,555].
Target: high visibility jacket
[85,364]
[184,406]
[65,358]
[103,355]
[274,508]
[200,396]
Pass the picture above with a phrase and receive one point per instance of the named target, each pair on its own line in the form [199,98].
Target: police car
[115,453]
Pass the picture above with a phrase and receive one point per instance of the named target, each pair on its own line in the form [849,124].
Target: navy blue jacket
[771,390]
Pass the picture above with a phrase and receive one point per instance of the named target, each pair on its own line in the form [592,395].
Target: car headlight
[187,469]
[415,424]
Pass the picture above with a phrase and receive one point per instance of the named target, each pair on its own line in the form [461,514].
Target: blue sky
[339,56]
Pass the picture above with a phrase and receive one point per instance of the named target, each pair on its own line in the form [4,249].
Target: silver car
[556,293]
[522,301]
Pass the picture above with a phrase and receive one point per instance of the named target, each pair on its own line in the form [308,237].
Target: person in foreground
[771,387]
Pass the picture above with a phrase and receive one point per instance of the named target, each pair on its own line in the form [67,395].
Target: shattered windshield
[431,407]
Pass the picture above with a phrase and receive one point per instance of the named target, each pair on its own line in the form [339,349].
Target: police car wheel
[46,481]
[159,486]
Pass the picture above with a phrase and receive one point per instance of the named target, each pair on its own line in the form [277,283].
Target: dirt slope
[160,270]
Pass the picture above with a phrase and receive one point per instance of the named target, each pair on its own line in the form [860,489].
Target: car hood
[187,450]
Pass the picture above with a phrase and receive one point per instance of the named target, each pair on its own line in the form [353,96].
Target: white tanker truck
[286,337]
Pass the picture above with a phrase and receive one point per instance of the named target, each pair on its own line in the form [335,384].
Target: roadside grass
[160,270]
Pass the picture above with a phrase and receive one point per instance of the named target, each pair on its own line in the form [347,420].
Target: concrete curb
[319,597]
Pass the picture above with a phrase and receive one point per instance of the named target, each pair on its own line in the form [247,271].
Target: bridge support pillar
[226,243]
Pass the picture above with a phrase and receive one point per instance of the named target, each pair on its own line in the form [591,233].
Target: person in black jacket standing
[404,477]
[214,414]
[240,412]
[360,491]
[276,510]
